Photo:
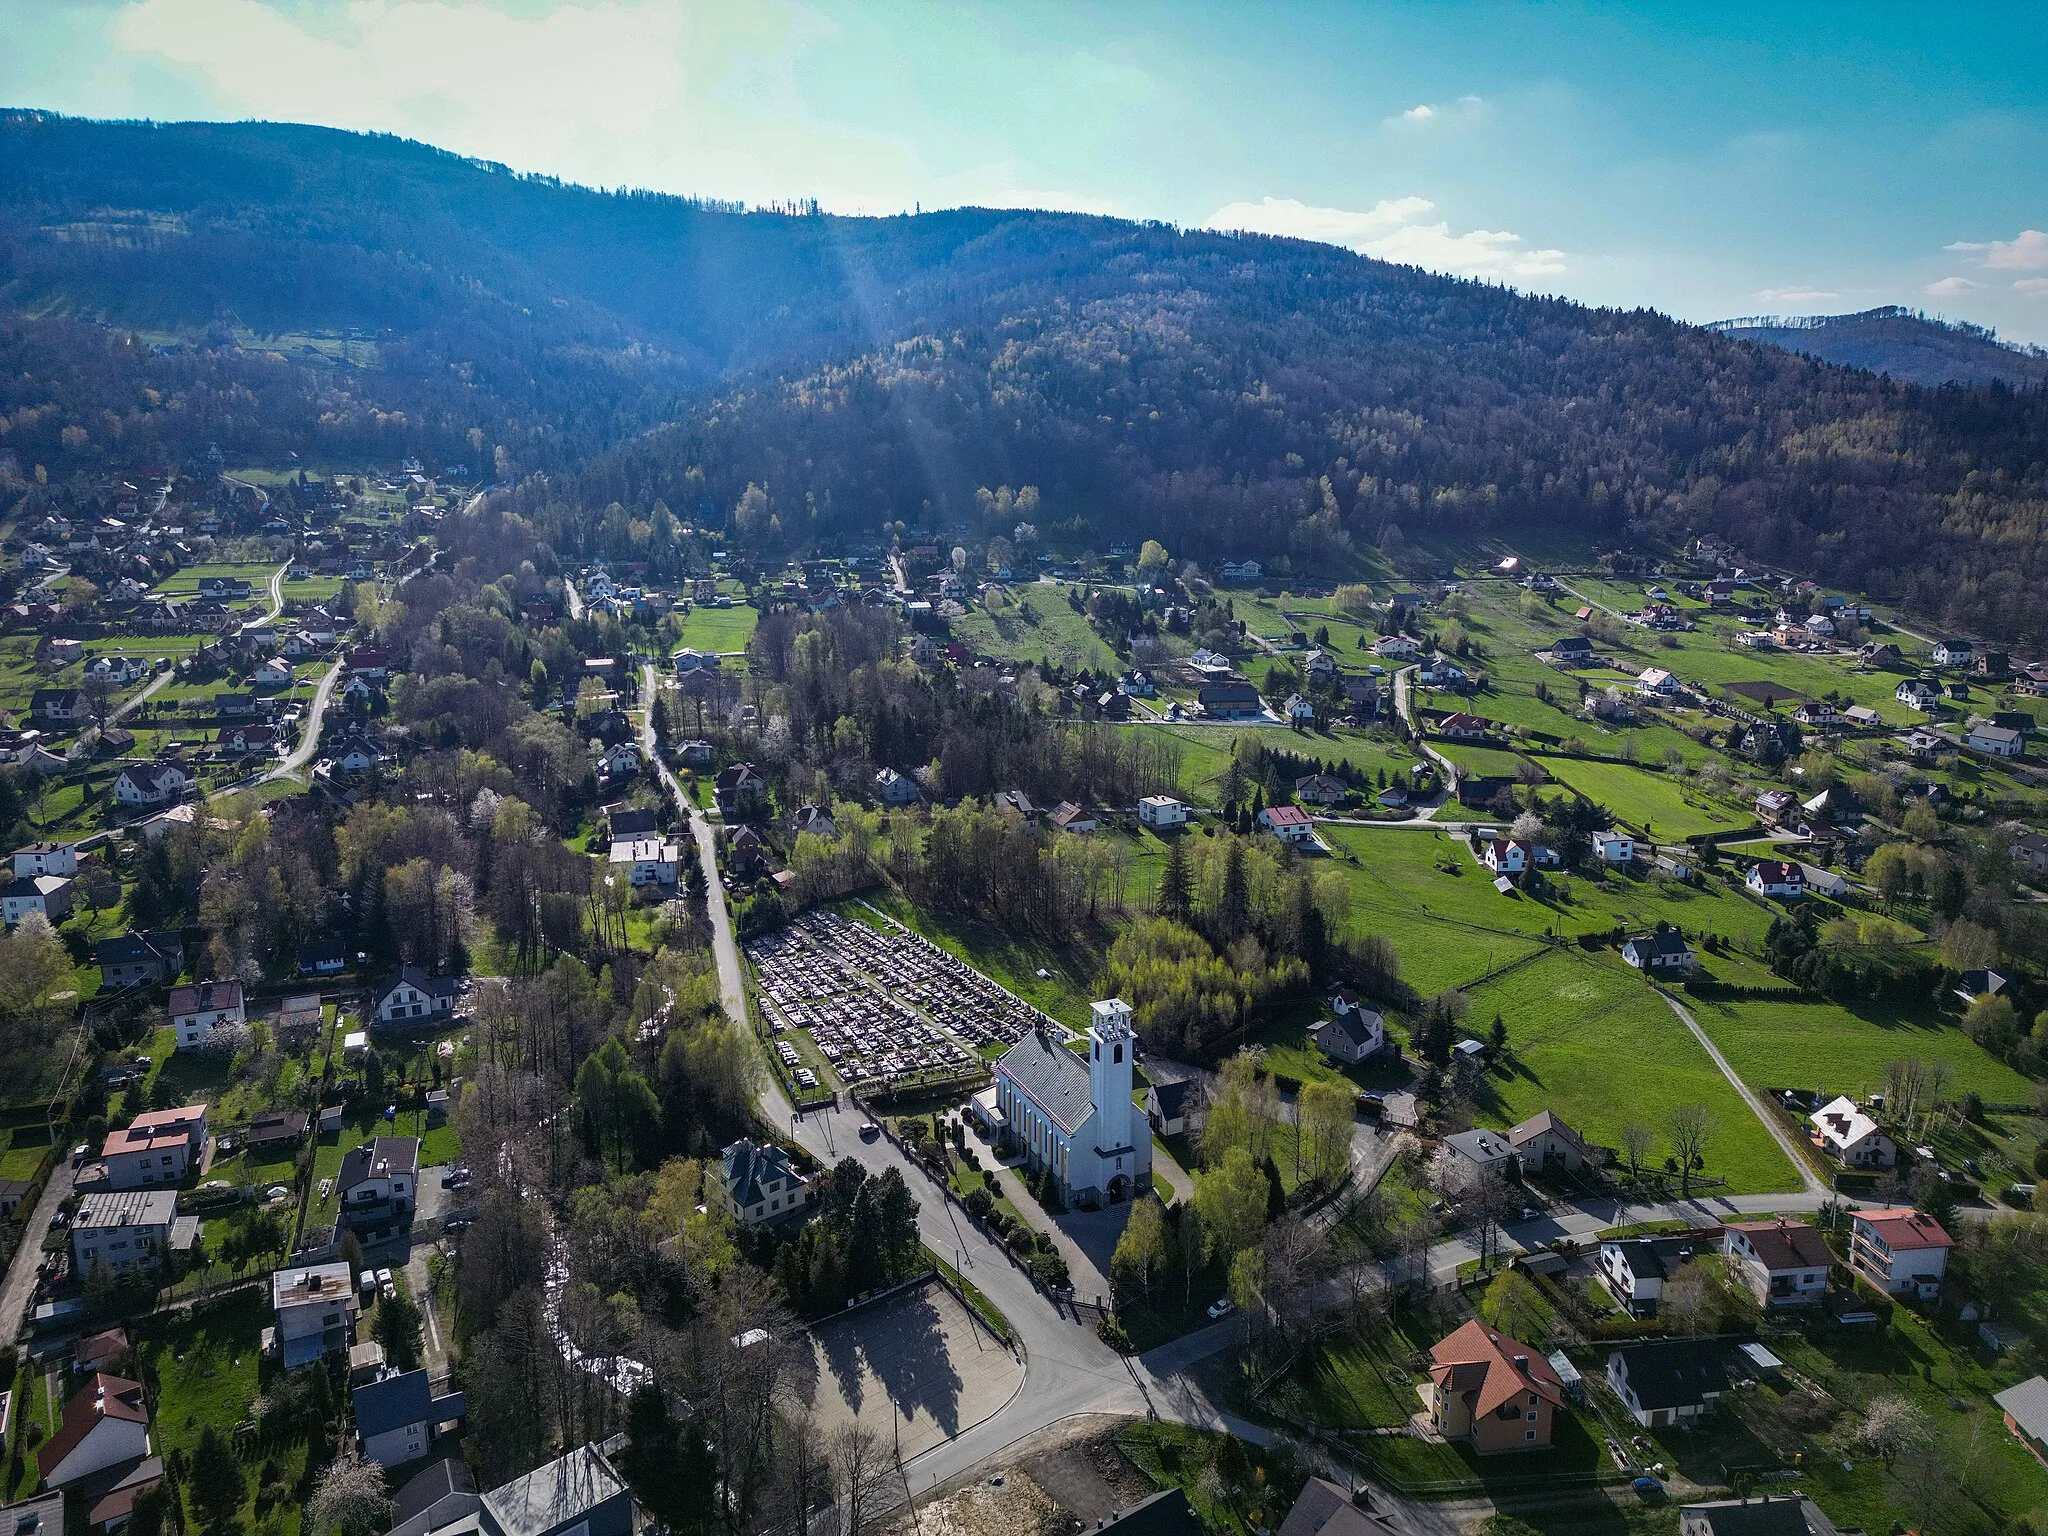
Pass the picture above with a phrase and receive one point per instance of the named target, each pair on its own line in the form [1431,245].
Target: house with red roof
[1905,1252]
[1289,823]
[1509,856]
[1493,1391]
[105,1424]
[1776,877]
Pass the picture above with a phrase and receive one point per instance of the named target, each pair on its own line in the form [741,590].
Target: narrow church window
[1119,1053]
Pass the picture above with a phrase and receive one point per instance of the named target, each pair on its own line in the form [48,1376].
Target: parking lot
[881,1007]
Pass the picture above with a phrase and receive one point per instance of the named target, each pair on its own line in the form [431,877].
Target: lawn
[1646,799]
[1590,1040]
[1038,626]
[719,629]
[1009,959]
[1844,1049]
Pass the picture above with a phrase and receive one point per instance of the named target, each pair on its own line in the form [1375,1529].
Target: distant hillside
[1911,347]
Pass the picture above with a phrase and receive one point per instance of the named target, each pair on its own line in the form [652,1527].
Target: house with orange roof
[1493,1391]
[1902,1251]
[105,1424]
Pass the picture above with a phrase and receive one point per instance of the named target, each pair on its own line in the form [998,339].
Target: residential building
[315,1309]
[1784,1263]
[440,1495]
[1918,692]
[2025,1406]
[1572,650]
[1657,682]
[196,1011]
[1746,1517]
[45,859]
[1239,570]
[1069,817]
[150,784]
[1231,701]
[105,1423]
[1614,847]
[1480,1154]
[1508,856]
[760,1183]
[122,1231]
[159,1147]
[1298,710]
[1289,823]
[1167,1104]
[1394,648]
[1321,789]
[414,995]
[397,1416]
[895,788]
[650,861]
[1493,1391]
[814,819]
[1074,1116]
[1953,653]
[1160,812]
[2029,851]
[323,957]
[1323,1508]
[1901,1251]
[1664,950]
[738,789]
[1848,1134]
[48,895]
[578,1494]
[1463,727]
[58,706]
[1669,1381]
[378,1184]
[274,1133]
[1776,877]
[1352,1036]
[1995,740]
[1636,1269]
[1545,1144]
[1825,882]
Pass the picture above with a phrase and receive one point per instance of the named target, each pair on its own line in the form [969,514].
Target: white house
[688,660]
[1508,856]
[1917,692]
[274,673]
[1353,1035]
[1901,1251]
[122,1231]
[1298,709]
[48,894]
[759,1183]
[105,1424]
[1820,624]
[1849,1135]
[1635,1269]
[1784,1263]
[1240,570]
[647,860]
[157,1148]
[1396,647]
[1952,653]
[1776,877]
[1670,1381]
[1074,1116]
[378,1184]
[1664,950]
[45,859]
[315,1307]
[198,1010]
[1995,740]
[895,788]
[155,783]
[396,1416]
[1657,681]
[619,762]
[1160,812]
[1827,882]
[1614,847]
[1289,823]
[413,994]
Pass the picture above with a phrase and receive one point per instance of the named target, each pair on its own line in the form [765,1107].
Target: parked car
[869,1130]
[1223,1308]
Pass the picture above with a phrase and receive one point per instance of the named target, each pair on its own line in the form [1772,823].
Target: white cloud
[2025,252]
[1464,109]
[1421,114]
[1393,230]
[2032,287]
[1949,286]
[1796,295]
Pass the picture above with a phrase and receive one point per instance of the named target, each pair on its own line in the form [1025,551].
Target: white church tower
[1110,1048]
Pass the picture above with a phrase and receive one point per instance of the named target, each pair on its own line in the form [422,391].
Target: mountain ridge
[1907,345]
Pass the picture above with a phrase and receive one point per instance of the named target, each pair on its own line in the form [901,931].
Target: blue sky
[1706,159]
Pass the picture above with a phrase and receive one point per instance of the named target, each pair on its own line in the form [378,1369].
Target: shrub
[1112,1332]
[980,1203]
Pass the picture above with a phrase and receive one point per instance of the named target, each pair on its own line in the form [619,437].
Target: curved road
[309,740]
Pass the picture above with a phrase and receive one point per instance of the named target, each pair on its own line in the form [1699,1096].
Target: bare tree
[862,1468]
[1636,1141]
[1689,1128]
[1687,1299]
[803,1469]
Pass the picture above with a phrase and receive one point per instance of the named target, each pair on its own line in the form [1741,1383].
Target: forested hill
[1229,395]
[1912,348]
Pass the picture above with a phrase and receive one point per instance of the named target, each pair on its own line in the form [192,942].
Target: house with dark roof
[398,1415]
[439,1495]
[1351,1035]
[198,1010]
[1230,701]
[1636,1269]
[323,957]
[149,784]
[1166,1513]
[378,1185]
[760,1183]
[1784,1263]
[1776,877]
[1167,1105]
[1493,1391]
[578,1493]
[1664,950]
[1544,1143]
[139,958]
[1746,1517]
[1667,1381]
[413,996]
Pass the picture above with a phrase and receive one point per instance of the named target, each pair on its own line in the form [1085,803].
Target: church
[1074,1114]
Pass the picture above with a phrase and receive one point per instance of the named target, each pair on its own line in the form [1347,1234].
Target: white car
[1222,1309]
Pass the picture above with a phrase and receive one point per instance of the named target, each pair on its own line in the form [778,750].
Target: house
[198,1010]
[579,1494]
[1746,1517]
[1167,1105]
[1231,701]
[760,1184]
[1820,625]
[315,1309]
[1319,663]
[895,788]
[1901,1251]
[1394,648]
[1492,1390]
[2029,852]
[45,859]
[1776,877]
[413,994]
[1321,789]
[438,1497]
[1298,710]
[1664,950]
[1240,570]
[1784,1263]
[624,823]
[370,664]
[1636,1269]
[1481,1154]
[1657,682]
[1069,817]
[156,783]
[105,1423]
[377,1185]
[1463,727]
[1918,692]
[58,706]
[1160,812]
[1354,1035]
[650,861]
[159,1147]
[618,762]
[1572,650]
[106,1350]
[738,788]
[1814,712]
[1862,717]
[1543,1143]
[49,895]
[1614,847]
[1993,664]
[1995,740]
[355,753]
[1953,653]
[2025,1406]
[1880,653]
[1670,1381]
[1508,856]
[397,1415]
[695,753]
[688,660]
[1827,882]
[1289,823]
[814,819]
[274,673]
[1073,1117]
[122,1231]
[275,1132]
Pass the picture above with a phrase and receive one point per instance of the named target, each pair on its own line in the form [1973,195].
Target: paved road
[115,716]
[21,1271]
[276,599]
[1808,1180]
[309,742]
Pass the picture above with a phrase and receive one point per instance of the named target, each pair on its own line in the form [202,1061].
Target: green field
[1050,631]
[1589,1039]
[719,629]
[186,582]
[1646,799]
[1825,1045]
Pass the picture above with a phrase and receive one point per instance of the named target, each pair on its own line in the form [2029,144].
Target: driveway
[20,1284]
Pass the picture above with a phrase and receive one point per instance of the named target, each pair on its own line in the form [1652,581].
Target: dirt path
[1809,1182]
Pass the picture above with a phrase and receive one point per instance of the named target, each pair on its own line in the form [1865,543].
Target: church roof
[1050,1076]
